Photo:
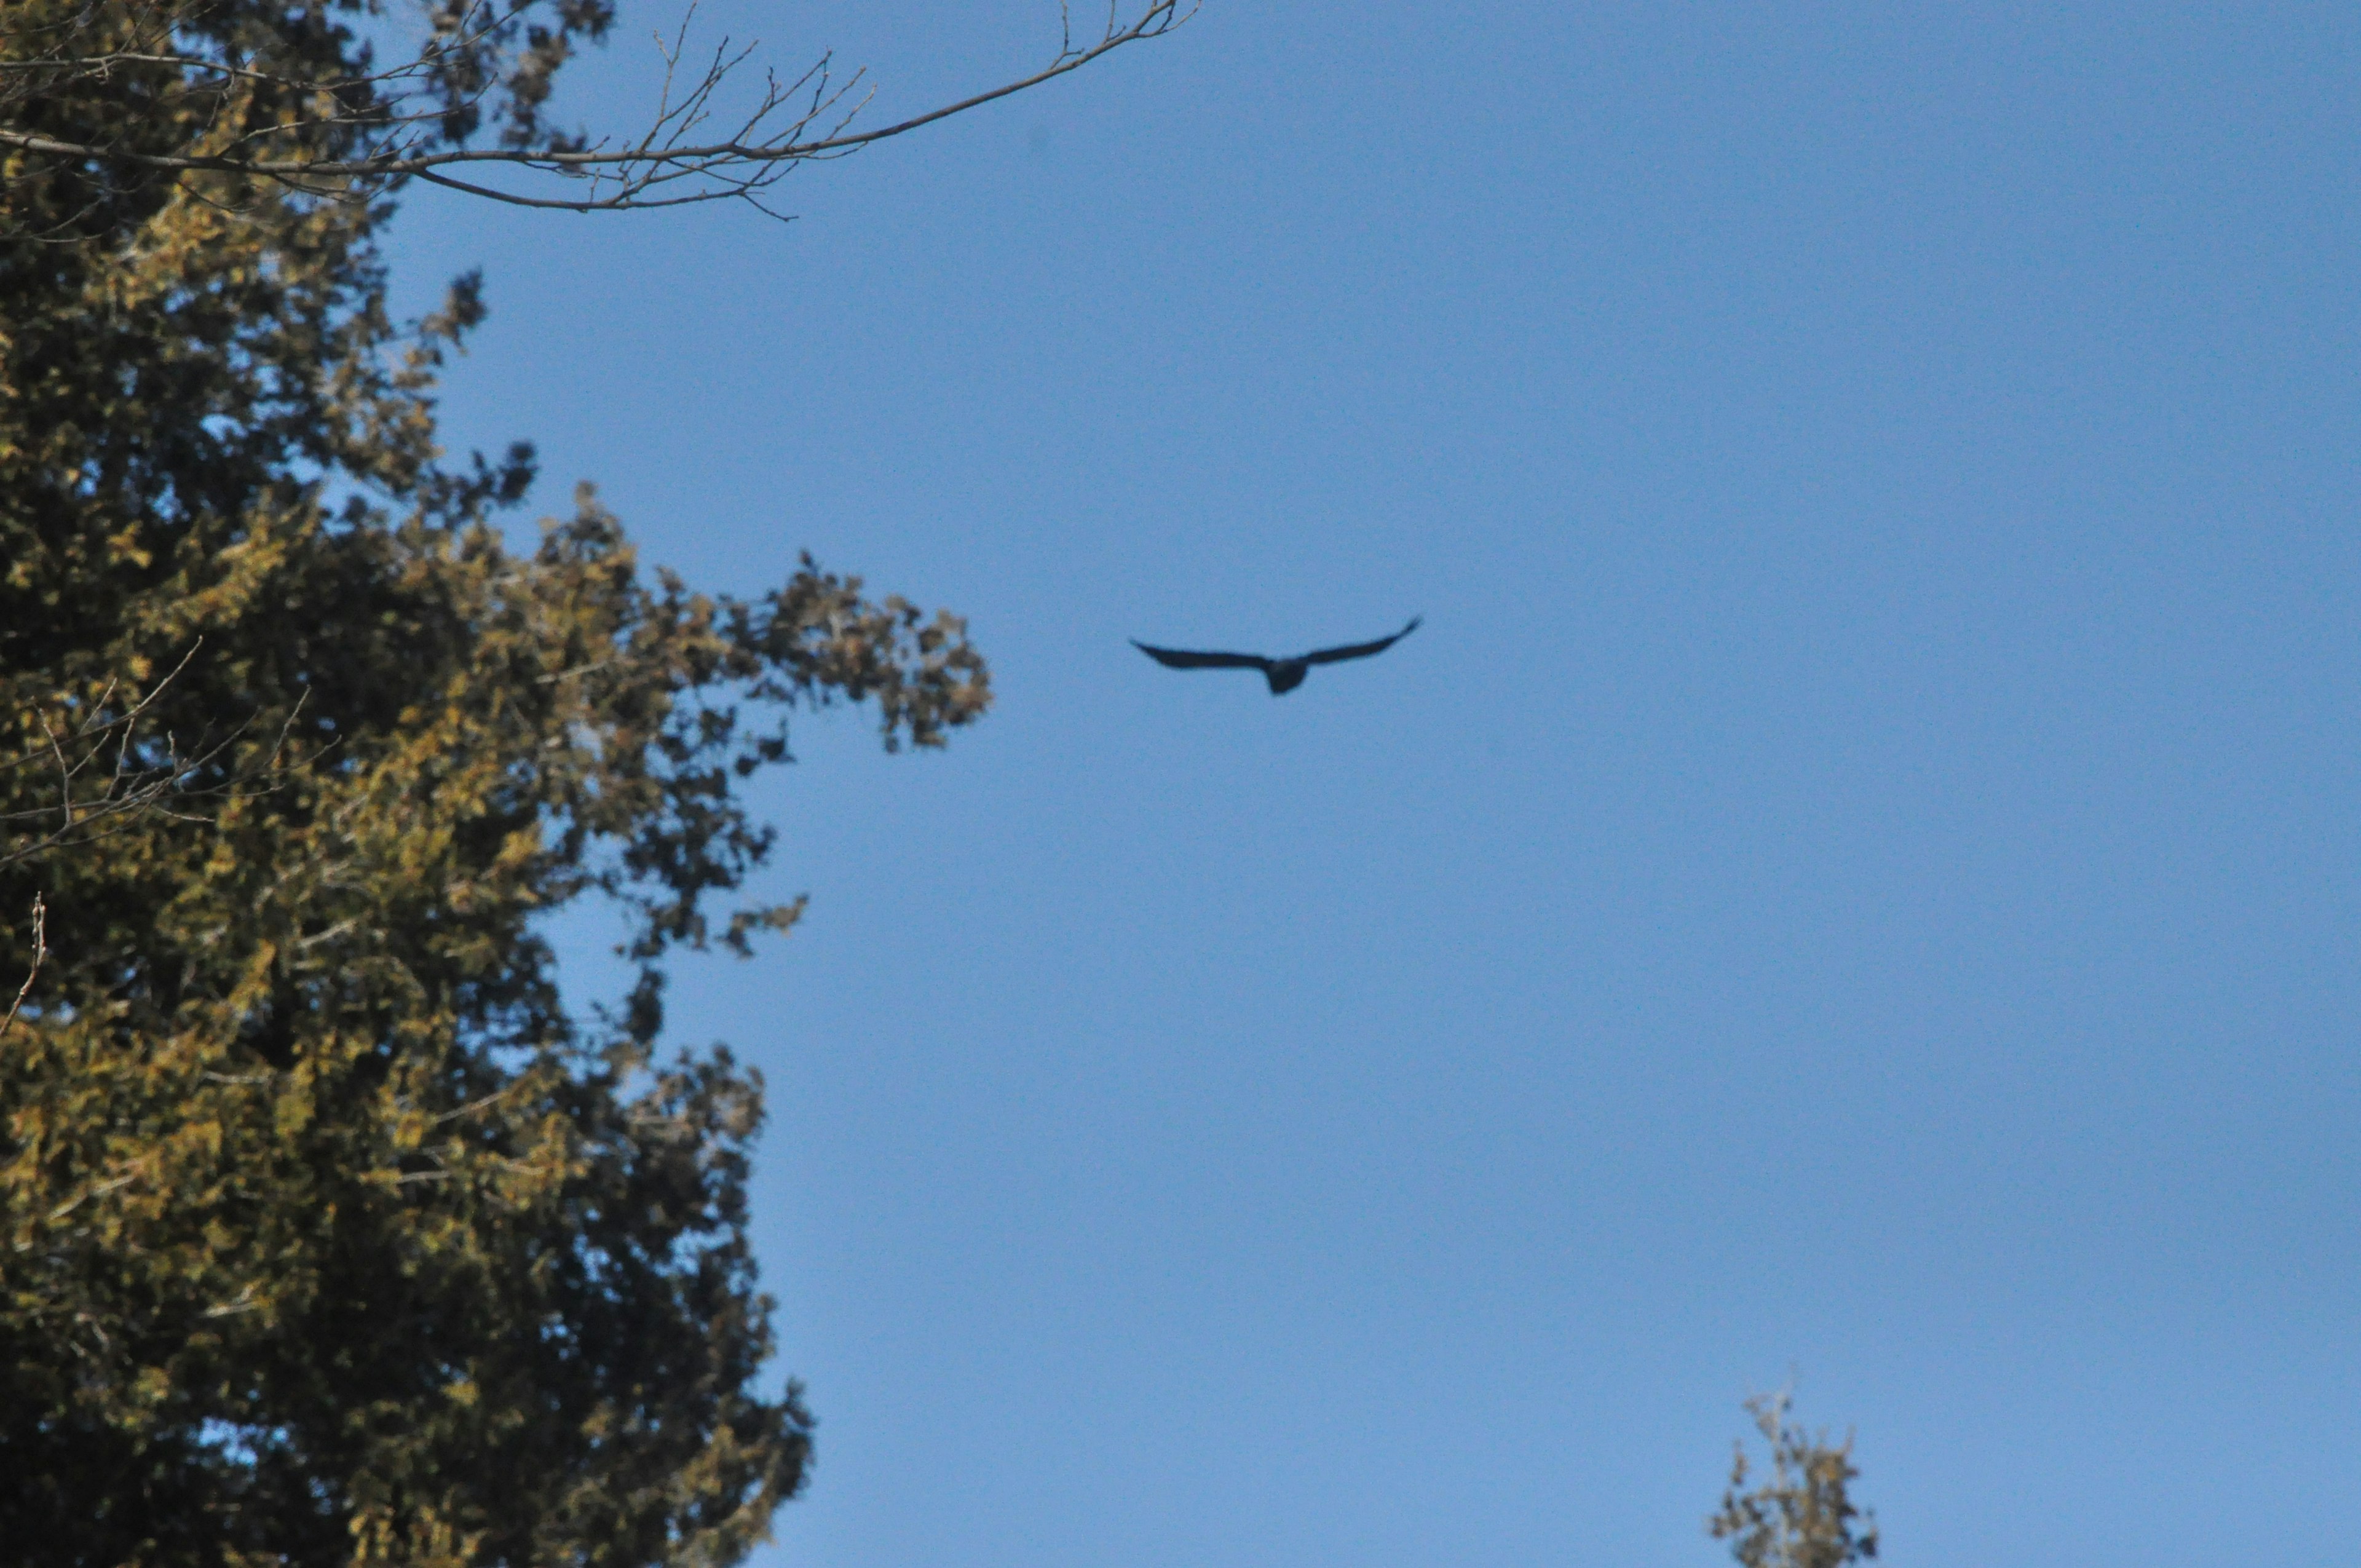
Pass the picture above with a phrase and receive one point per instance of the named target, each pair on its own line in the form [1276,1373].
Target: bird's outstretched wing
[1184,659]
[1361,650]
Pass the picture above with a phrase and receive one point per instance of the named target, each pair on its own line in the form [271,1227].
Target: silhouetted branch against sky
[325,122]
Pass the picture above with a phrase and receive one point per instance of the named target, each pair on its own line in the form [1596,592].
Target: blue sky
[1855,879]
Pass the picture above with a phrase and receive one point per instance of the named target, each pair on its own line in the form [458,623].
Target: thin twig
[133,789]
[40,951]
[620,176]
[99,1190]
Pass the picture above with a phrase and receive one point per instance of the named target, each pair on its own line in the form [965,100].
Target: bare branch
[40,951]
[396,115]
[99,1190]
[142,778]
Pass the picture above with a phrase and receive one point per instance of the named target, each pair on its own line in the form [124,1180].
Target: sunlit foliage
[1802,1516]
[330,1236]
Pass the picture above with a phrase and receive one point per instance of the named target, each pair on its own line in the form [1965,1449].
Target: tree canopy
[331,1235]
[1802,1515]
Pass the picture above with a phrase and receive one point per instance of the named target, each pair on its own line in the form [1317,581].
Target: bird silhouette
[1284,675]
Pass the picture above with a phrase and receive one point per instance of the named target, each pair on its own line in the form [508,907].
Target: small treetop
[1803,1516]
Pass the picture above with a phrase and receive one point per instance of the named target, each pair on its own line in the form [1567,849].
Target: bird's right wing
[1362,649]
[1184,659]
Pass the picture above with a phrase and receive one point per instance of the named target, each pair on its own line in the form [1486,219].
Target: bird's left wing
[1184,659]
[1362,649]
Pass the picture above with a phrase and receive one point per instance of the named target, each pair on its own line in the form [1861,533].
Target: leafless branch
[475,1105]
[40,951]
[390,123]
[108,774]
[98,1190]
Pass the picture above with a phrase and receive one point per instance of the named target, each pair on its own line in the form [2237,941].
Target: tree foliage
[329,1235]
[1802,1516]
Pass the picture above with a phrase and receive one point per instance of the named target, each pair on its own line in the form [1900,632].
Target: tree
[330,1235]
[1803,1516]
[296,100]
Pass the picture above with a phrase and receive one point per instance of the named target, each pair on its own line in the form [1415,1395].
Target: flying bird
[1284,675]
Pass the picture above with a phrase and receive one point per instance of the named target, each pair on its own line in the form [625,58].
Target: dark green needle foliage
[329,1236]
[1802,1516]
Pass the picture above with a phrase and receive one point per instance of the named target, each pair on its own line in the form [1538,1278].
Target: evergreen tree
[329,1235]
